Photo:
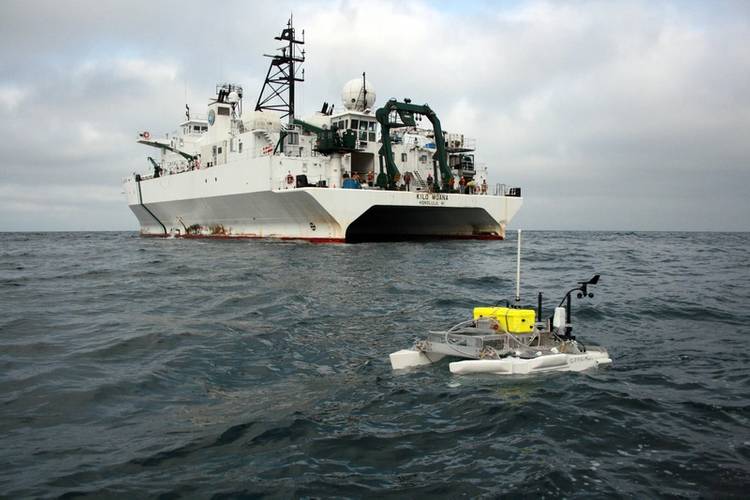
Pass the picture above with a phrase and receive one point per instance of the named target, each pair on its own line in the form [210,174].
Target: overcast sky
[610,115]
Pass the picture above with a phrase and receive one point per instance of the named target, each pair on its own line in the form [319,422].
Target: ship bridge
[194,126]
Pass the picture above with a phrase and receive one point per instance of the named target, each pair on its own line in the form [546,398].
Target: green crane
[406,111]
[330,140]
[157,167]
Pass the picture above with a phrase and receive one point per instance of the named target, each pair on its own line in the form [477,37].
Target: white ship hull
[222,202]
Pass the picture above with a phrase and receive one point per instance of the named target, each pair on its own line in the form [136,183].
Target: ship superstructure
[353,174]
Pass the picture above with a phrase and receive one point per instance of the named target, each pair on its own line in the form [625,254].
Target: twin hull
[246,199]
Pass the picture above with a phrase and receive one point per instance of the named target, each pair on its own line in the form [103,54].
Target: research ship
[361,173]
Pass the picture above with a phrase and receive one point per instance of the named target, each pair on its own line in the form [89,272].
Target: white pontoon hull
[519,366]
[510,365]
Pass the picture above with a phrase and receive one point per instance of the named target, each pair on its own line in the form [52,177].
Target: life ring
[197,163]
[146,135]
[289,179]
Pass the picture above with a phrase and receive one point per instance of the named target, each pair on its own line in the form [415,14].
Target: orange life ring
[289,179]
[146,135]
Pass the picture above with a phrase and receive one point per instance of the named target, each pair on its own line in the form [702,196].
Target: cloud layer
[610,115]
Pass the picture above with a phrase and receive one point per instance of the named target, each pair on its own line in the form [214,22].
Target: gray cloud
[616,115]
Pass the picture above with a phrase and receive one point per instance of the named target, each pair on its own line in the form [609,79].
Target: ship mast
[277,93]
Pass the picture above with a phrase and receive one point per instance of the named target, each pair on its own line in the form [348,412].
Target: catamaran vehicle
[509,340]
[355,174]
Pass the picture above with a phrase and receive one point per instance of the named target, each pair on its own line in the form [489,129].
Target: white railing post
[518,269]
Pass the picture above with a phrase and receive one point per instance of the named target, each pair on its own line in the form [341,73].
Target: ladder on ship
[419,182]
[265,134]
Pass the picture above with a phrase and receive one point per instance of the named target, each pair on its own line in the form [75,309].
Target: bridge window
[355,124]
[362,130]
[404,157]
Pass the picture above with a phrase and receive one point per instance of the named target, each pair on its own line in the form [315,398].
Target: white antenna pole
[518,269]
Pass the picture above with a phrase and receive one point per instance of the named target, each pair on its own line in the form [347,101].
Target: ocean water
[134,368]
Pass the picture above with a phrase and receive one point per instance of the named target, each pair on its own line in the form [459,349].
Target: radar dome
[358,95]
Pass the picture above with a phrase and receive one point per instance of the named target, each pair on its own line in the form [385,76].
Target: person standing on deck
[407,180]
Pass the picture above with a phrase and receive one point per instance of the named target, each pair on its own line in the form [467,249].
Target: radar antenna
[364,91]
[277,93]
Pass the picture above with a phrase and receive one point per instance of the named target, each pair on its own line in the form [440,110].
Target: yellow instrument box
[510,320]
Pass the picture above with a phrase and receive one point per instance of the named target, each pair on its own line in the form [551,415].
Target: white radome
[353,97]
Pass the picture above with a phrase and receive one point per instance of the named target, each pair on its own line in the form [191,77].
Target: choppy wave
[139,368]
